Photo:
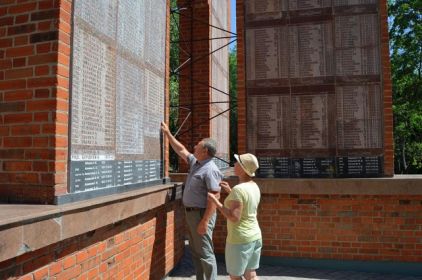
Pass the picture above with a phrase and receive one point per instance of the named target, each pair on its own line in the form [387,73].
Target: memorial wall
[220,129]
[314,87]
[117,94]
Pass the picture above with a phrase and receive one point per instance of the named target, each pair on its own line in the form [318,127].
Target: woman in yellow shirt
[244,239]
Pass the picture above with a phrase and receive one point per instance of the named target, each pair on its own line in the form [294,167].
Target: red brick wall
[195,77]
[34,60]
[146,246]
[341,227]
[34,99]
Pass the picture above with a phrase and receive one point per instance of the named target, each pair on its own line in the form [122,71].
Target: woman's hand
[225,186]
[213,198]
[202,227]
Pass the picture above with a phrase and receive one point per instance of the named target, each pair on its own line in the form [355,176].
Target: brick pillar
[388,92]
[34,85]
[191,92]
[241,79]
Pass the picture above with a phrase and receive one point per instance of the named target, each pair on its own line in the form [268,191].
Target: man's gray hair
[211,146]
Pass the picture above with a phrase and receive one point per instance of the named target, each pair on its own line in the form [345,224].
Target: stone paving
[184,270]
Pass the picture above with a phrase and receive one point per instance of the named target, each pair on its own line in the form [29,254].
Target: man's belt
[189,209]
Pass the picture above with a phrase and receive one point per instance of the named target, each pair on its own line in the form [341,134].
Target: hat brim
[236,156]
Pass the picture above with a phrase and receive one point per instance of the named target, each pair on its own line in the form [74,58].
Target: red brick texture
[146,246]
[34,83]
[34,99]
[388,92]
[341,227]
[241,78]
[195,74]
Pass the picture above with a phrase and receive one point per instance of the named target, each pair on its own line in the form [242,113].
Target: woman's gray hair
[211,146]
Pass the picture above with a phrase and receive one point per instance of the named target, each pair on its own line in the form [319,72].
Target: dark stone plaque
[283,167]
[359,166]
[94,175]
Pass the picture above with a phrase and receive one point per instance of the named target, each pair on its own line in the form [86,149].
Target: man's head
[206,148]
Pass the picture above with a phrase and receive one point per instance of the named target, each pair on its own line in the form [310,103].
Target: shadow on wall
[158,257]
[169,230]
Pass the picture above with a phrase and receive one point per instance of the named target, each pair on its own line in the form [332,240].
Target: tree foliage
[233,98]
[174,80]
[405,20]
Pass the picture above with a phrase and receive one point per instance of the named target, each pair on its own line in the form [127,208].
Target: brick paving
[184,270]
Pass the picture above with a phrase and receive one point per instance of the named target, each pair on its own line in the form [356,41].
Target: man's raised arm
[175,144]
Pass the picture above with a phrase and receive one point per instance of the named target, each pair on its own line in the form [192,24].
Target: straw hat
[248,162]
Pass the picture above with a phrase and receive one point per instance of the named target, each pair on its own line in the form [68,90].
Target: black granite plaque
[266,167]
[359,166]
[94,175]
[281,167]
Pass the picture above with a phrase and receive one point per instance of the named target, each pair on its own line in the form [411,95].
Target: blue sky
[233,20]
[233,15]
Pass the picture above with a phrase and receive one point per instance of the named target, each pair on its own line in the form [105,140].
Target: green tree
[233,103]
[405,20]
[174,80]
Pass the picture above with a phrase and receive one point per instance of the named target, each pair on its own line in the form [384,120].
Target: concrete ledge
[26,228]
[397,185]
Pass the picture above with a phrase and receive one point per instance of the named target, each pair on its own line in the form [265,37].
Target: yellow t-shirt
[247,229]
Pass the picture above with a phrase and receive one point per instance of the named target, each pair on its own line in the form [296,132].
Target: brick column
[191,92]
[387,92]
[241,78]
[34,91]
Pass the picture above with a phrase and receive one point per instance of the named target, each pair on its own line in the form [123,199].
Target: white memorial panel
[129,104]
[359,117]
[156,33]
[98,14]
[357,47]
[265,9]
[310,121]
[265,122]
[262,57]
[131,30]
[308,4]
[353,2]
[92,96]
[117,93]
[153,104]
[220,79]
[312,43]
